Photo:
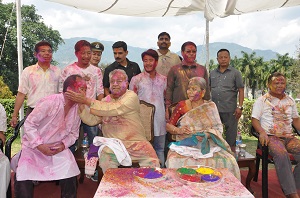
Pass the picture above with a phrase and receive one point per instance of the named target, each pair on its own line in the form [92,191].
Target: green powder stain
[188,171]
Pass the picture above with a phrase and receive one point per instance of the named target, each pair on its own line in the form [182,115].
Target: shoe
[95,177]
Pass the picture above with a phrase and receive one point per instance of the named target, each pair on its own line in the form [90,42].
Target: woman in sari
[198,129]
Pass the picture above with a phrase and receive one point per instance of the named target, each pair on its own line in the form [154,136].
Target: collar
[118,64]
[184,65]
[51,67]
[148,75]
[167,54]
[228,68]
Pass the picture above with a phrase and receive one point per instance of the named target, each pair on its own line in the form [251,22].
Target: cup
[242,152]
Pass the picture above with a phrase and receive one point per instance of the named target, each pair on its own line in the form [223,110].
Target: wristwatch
[240,107]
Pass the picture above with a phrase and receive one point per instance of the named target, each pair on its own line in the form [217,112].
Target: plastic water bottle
[238,142]
[85,144]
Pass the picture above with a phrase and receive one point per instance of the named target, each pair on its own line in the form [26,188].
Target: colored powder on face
[210,178]
[192,178]
[205,171]
[188,171]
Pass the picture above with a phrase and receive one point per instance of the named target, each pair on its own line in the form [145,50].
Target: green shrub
[8,105]
[244,125]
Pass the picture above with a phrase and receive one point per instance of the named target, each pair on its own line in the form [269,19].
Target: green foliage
[244,125]
[5,93]
[8,105]
[33,31]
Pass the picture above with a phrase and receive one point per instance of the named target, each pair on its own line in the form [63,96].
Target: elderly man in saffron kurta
[119,113]
[48,132]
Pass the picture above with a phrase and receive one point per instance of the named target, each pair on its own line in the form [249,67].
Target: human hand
[51,149]
[13,121]
[76,97]
[2,137]
[167,115]
[263,138]
[237,113]
[185,130]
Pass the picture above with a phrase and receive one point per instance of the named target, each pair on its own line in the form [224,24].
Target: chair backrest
[12,138]
[147,111]
[171,138]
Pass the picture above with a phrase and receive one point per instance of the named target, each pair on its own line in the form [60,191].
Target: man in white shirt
[37,81]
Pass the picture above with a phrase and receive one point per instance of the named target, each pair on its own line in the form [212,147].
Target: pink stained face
[277,86]
[84,56]
[44,54]
[118,85]
[194,93]
[80,85]
[189,53]
[149,63]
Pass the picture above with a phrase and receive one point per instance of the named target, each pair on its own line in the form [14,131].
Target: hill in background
[65,54]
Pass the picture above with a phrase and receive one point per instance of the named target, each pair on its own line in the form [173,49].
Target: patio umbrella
[162,8]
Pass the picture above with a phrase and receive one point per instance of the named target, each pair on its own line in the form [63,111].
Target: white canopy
[161,8]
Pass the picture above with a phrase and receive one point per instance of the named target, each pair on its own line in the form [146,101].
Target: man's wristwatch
[240,107]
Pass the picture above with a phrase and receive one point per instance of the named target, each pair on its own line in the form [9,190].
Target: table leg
[81,176]
[250,175]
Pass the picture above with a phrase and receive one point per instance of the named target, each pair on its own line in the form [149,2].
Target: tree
[33,31]
[5,93]
[250,68]
[293,82]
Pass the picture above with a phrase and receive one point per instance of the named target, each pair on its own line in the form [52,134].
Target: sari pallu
[204,118]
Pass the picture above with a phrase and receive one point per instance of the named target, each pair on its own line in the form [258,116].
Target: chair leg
[256,168]
[265,154]
[82,173]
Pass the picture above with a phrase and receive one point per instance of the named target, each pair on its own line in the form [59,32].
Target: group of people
[60,102]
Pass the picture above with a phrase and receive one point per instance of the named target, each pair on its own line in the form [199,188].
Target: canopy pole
[19,48]
[207,45]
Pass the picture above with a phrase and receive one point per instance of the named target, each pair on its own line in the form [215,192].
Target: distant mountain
[65,54]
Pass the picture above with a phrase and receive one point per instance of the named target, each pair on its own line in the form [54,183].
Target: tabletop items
[157,182]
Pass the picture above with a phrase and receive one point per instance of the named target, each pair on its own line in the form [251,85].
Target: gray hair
[198,81]
[118,71]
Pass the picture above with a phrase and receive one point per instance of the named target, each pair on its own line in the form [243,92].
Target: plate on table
[149,174]
[199,175]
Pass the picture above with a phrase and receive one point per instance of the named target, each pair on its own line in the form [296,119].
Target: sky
[277,30]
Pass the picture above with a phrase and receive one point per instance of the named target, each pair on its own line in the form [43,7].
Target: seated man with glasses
[119,113]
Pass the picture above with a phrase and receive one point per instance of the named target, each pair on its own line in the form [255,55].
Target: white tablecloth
[4,174]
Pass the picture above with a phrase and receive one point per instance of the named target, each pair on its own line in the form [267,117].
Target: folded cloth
[204,145]
[93,151]
[116,146]
[90,165]
[193,152]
